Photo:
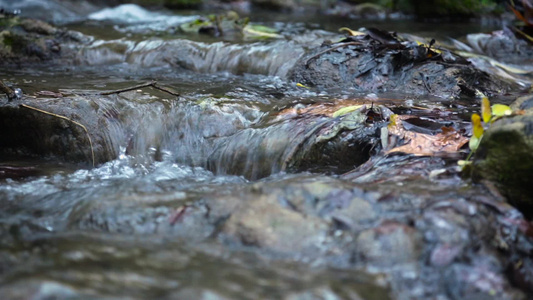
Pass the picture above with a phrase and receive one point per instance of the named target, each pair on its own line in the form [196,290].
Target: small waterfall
[228,137]
[273,58]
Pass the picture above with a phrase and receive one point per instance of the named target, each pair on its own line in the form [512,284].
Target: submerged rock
[422,237]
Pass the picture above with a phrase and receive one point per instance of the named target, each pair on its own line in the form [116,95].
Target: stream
[218,193]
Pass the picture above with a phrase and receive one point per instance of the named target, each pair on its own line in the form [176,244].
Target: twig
[156,86]
[140,86]
[328,50]
[7,90]
[424,80]
[147,84]
[65,118]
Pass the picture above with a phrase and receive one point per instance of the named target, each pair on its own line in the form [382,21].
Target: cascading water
[235,189]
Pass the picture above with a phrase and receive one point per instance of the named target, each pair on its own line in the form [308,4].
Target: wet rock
[387,245]
[29,41]
[195,293]
[57,11]
[39,290]
[502,45]
[420,235]
[323,293]
[483,281]
[263,222]
[505,156]
[379,62]
[521,274]
[88,129]
[300,143]
[213,133]
[33,132]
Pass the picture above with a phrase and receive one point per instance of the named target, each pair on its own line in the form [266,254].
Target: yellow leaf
[351,32]
[301,85]
[485,109]
[500,110]
[346,110]
[257,31]
[477,128]
[392,120]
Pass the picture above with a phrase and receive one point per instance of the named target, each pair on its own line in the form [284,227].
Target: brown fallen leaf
[420,144]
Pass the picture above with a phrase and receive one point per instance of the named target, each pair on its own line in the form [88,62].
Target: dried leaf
[447,130]
[425,144]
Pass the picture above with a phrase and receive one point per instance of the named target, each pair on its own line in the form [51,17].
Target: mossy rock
[505,157]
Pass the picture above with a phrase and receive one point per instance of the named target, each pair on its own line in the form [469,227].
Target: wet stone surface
[366,63]
[247,185]
[420,239]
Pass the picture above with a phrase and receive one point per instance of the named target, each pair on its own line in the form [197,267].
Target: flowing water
[114,231]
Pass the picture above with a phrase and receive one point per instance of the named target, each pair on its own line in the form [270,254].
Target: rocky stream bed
[140,160]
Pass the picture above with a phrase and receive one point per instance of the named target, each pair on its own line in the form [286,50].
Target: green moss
[6,23]
[505,156]
[7,39]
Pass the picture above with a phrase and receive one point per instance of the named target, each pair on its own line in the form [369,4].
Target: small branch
[65,118]
[424,80]
[8,91]
[166,90]
[140,86]
[136,87]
